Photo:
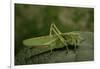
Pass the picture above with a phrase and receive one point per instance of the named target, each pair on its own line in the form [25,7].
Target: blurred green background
[35,20]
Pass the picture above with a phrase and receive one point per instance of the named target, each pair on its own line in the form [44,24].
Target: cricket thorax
[72,38]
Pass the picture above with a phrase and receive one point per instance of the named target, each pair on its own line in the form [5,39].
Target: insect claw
[66,52]
[51,53]
[75,51]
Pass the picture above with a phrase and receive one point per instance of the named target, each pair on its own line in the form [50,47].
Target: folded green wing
[37,41]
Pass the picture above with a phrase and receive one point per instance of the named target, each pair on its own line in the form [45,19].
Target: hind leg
[75,49]
[67,50]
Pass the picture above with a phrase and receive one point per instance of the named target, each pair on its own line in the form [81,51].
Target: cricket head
[73,38]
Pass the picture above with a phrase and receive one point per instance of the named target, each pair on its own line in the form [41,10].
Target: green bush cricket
[71,38]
